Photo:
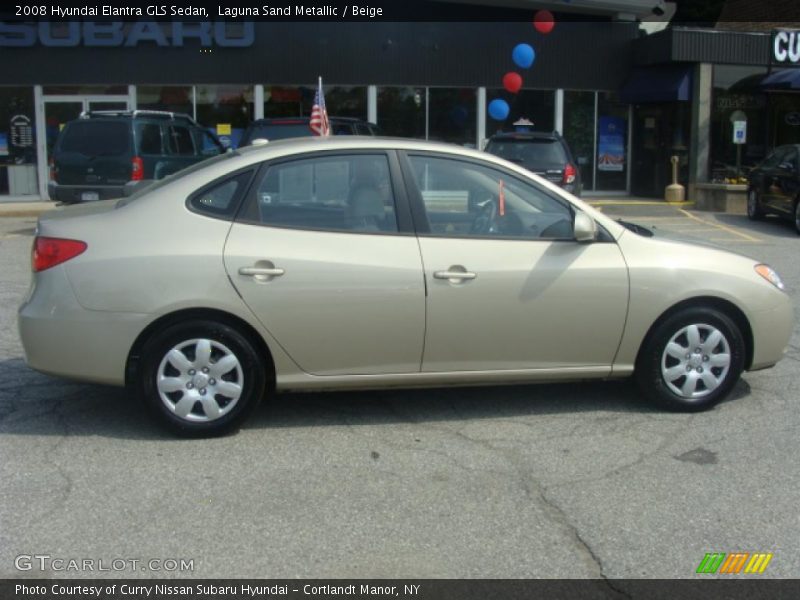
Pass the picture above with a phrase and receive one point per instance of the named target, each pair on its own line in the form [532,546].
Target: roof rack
[88,114]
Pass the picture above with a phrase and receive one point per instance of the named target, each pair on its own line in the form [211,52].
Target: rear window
[541,151]
[96,138]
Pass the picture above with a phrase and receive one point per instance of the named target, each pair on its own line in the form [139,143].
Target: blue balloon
[523,55]
[498,109]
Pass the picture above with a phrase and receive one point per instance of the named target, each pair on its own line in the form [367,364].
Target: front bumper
[772,330]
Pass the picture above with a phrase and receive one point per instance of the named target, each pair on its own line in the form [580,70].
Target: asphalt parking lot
[575,480]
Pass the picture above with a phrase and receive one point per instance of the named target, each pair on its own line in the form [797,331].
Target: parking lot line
[725,228]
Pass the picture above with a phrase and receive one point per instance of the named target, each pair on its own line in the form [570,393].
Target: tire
[211,363]
[754,210]
[673,375]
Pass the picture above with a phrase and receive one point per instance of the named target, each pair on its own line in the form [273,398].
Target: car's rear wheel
[691,360]
[754,211]
[201,378]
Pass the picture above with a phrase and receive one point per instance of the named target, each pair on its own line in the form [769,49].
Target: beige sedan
[315,264]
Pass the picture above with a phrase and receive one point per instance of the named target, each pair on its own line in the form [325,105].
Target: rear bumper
[62,338]
[75,193]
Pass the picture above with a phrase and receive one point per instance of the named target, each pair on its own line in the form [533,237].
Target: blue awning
[785,79]
[658,84]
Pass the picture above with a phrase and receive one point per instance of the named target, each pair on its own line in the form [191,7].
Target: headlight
[770,275]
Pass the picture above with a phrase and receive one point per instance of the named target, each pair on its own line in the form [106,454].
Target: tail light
[53,170]
[137,169]
[570,172]
[49,252]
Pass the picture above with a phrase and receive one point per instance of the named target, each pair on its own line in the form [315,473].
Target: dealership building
[607,84]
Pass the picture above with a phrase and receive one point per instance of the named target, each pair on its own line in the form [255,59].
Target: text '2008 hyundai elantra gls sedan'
[360,263]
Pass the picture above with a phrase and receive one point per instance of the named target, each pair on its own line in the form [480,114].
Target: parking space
[567,480]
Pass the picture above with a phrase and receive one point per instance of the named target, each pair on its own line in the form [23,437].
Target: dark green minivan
[109,154]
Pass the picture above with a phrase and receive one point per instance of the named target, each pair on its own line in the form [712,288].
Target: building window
[17,142]
[537,106]
[451,115]
[401,111]
[226,110]
[297,101]
[737,95]
[579,123]
[611,156]
[170,98]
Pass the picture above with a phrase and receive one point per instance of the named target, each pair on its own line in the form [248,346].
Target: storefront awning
[785,79]
[657,84]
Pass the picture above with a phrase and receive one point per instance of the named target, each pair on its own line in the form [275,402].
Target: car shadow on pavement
[35,404]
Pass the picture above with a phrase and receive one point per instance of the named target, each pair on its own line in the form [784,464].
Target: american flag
[319,124]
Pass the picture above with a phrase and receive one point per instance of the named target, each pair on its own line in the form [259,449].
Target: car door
[330,265]
[770,178]
[786,188]
[508,286]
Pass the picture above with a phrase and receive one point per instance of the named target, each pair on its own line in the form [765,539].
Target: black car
[290,127]
[546,154]
[775,185]
[107,154]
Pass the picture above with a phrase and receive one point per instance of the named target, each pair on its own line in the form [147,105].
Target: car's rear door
[339,287]
[508,286]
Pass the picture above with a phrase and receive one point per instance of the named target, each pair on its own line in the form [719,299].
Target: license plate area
[90,196]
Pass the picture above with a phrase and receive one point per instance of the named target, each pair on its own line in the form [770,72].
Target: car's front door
[329,264]
[786,182]
[508,287]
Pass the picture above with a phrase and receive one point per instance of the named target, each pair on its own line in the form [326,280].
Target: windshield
[529,151]
[147,188]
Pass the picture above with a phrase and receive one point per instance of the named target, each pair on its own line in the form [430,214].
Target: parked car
[359,263]
[290,127]
[774,185]
[546,154]
[108,154]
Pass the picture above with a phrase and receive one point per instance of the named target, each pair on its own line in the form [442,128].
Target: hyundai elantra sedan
[362,263]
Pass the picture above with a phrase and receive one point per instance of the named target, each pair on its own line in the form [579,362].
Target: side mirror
[584,229]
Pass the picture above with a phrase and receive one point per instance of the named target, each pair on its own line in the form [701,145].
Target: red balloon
[544,21]
[512,82]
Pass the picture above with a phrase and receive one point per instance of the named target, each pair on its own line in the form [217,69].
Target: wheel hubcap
[200,380]
[696,361]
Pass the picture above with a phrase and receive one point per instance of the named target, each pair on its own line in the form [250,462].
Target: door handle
[454,276]
[261,272]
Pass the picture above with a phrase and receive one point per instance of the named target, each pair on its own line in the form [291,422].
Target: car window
[363,129]
[180,140]
[342,128]
[463,198]
[774,159]
[529,151]
[149,138]
[336,193]
[96,138]
[208,144]
[221,197]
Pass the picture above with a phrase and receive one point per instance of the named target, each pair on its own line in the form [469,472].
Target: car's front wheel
[754,211]
[691,360]
[201,378]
